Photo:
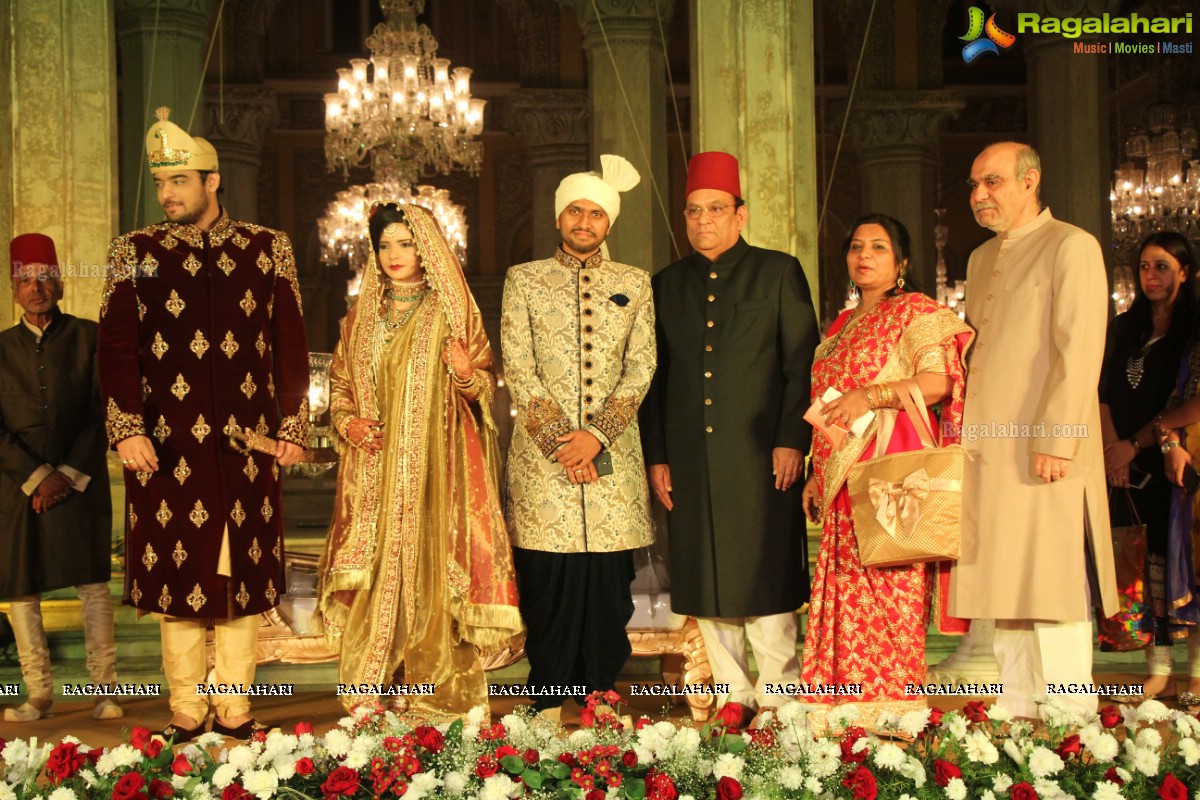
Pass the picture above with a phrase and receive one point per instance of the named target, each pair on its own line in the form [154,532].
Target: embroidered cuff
[614,418]
[545,422]
[121,425]
[476,386]
[294,427]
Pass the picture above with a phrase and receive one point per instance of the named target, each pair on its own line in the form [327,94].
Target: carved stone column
[162,58]
[753,96]
[237,119]
[554,126]
[895,137]
[627,83]
[57,126]
[1068,105]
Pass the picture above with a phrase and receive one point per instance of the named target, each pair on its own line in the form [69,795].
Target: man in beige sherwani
[577,334]
[1036,536]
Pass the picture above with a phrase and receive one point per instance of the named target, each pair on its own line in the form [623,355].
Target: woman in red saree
[866,626]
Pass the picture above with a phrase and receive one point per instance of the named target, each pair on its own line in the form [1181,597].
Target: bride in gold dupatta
[417,572]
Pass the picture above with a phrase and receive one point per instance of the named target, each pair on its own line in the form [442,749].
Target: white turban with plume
[603,190]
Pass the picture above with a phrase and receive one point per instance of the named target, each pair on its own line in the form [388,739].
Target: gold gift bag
[908,506]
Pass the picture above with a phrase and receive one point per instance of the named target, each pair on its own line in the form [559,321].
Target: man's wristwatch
[1166,446]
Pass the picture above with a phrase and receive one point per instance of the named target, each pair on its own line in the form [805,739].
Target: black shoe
[243,731]
[173,734]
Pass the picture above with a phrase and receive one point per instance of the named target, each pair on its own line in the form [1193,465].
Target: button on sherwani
[579,353]
[200,331]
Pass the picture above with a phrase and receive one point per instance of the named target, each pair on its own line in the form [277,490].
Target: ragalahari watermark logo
[997,38]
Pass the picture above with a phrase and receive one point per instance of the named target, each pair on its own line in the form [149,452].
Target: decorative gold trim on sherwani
[545,422]
[141,307]
[294,427]
[149,266]
[122,266]
[159,346]
[121,425]
[164,599]
[271,593]
[175,304]
[196,599]
[267,511]
[163,515]
[199,344]
[616,415]
[180,387]
[251,469]
[238,514]
[255,552]
[179,555]
[243,597]
[264,262]
[231,426]
[198,515]
[182,471]
[260,344]
[229,345]
[240,241]
[149,558]
[133,518]
[226,264]
[191,263]
[201,429]
[135,594]
[143,476]
[248,386]
[247,303]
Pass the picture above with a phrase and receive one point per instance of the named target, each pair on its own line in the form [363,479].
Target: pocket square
[620,300]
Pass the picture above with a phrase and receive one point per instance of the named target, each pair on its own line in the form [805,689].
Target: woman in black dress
[1141,362]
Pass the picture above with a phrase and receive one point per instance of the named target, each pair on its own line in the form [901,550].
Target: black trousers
[576,607]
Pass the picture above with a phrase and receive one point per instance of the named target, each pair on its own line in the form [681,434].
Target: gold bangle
[872,397]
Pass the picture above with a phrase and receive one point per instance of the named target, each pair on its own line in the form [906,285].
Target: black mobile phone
[1191,479]
[603,463]
[1138,478]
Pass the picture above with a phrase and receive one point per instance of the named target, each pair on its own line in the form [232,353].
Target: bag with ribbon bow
[908,506]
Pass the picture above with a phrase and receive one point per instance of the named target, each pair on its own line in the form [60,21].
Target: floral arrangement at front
[1148,752]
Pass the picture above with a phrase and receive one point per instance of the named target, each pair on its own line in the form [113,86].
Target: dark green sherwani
[735,348]
[50,414]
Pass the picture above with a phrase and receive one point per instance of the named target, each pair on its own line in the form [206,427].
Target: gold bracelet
[872,397]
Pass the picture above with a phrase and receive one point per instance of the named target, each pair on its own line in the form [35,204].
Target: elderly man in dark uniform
[200,337]
[55,508]
[725,436]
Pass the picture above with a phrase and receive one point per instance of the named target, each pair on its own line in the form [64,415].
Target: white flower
[790,777]
[914,770]
[104,764]
[1103,746]
[242,758]
[956,789]
[469,732]
[913,722]
[1001,781]
[1044,762]
[224,775]
[15,751]
[179,781]
[337,743]
[843,716]
[423,785]
[586,737]
[979,748]
[454,783]
[824,758]
[889,756]
[987,794]
[1124,774]
[201,792]
[89,777]
[1187,725]
[1149,737]
[62,793]
[125,755]
[728,766]
[956,724]
[664,729]
[812,784]
[1013,751]
[1107,790]
[792,712]
[1190,750]
[6,792]
[906,796]
[476,716]
[210,739]
[498,787]
[1152,711]
[260,782]
[1047,789]
[686,741]
[1145,761]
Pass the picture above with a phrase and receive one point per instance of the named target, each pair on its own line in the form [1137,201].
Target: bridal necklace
[399,292]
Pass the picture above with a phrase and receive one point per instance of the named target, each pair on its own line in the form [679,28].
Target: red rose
[861,784]
[153,748]
[305,766]
[1110,716]
[848,754]
[531,756]
[65,760]
[234,791]
[587,717]
[659,786]
[568,759]
[943,771]
[730,715]
[342,782]
[486,767]
[302,728]
[594,794]
[1112,777]
[2,744]
[161,789]
[1172,788]
[129,787]
[1022,791]
[637,726]
[629,759]
[1070,747]
[975,711]
[503,751]
[729,789]
[935,717]
[92,755]
[430,738]
[181,765]
[139,737]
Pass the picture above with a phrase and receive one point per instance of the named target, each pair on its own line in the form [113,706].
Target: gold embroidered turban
[168,147]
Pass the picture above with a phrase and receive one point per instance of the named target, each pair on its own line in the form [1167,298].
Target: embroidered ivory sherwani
[199,331]
[579,352]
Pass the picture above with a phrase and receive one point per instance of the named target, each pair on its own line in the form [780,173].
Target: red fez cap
[32,248]
[714,170]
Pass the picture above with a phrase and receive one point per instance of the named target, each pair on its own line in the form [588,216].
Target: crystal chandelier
[1158,188]
[411,114]
[343,230]
[952,296]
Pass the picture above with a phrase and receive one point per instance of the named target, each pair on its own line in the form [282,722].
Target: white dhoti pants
[185,665]
[773,639]
[1033,654]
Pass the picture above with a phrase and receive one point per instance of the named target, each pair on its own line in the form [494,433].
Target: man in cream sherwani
[577,334]
[1036,535]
